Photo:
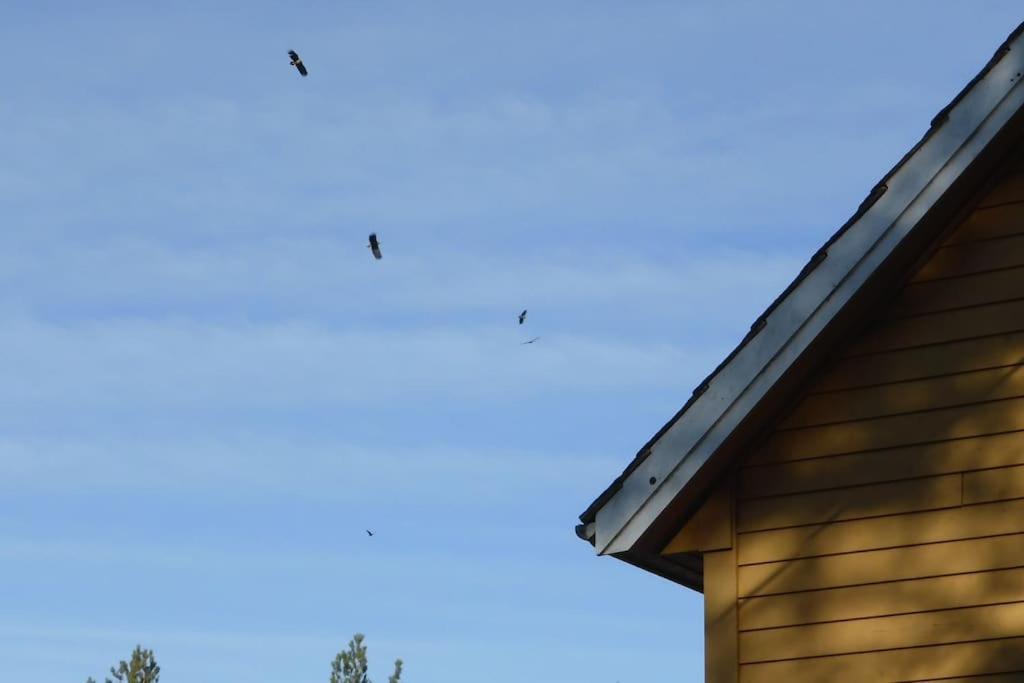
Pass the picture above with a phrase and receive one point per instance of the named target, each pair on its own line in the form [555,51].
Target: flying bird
[374,246]
[522,317]
[369,533]
[530,341]
[297,62]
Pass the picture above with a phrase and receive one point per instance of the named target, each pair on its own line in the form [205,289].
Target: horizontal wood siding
[880,524]
[880,566]
[1003,483]
[1009,190]
[966,258]
[887,464]
[942,327]
[1005,677]
[959,422]
[978,353]
[882,599]
[909,397]
[893,531]
[779,512]
[884,633]
[935,296]
[985,223]
[909,664]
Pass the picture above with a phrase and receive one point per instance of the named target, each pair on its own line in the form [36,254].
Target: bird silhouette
[297,62]
[530,341]
[374,246]
[522,317]
[369,533]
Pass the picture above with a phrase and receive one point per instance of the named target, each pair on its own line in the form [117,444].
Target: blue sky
[210,389]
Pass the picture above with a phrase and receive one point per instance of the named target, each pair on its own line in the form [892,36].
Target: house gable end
[969,137]
[878,524]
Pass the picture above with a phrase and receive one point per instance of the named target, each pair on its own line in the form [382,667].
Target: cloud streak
[258,465]
[180,363]
[306,276]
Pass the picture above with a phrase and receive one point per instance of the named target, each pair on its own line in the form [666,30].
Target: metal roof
[669,461]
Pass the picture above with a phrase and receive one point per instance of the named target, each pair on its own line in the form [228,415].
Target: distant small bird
[530,341]
[522,317]
[297,62]
[374,246]
[369,533]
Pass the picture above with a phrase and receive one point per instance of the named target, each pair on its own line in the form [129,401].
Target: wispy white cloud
[183,248]
[260,465]
[503,157]
[291,323]
[153,364]
[306,277]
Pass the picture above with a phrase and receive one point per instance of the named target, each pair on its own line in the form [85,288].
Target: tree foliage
[350,665]
[142,668]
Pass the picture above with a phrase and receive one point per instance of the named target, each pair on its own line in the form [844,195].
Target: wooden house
[847,487]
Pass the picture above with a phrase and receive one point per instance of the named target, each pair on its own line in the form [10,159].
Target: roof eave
[667,464]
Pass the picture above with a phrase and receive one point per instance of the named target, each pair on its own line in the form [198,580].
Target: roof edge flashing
[883,219]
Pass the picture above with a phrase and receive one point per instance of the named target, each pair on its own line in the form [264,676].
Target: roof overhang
[889,232]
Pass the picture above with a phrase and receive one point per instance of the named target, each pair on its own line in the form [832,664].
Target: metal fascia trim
[791,327]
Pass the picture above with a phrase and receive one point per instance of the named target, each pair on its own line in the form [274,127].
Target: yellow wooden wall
[879,527]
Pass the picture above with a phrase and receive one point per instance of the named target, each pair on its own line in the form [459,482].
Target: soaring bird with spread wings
[297,62]
[522,317]
[374,246]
